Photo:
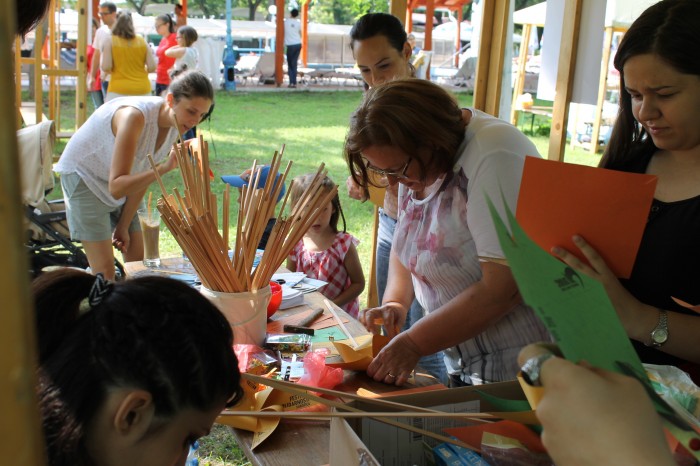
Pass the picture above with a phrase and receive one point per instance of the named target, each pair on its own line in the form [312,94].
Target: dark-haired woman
[129,373]
[166,28]
[414,133]
[657,132]
[105,171]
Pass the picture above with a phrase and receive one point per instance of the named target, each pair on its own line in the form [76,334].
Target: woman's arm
[175,52]
[150,60]
[127,126]
[398,296]
[357,277]
[637,318]
[106,62]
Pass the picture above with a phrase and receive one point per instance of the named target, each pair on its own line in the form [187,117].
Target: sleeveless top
[89,152]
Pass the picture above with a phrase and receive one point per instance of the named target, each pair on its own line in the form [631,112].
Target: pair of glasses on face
[399,174]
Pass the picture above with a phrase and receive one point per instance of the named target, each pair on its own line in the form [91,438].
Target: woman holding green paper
[657,133]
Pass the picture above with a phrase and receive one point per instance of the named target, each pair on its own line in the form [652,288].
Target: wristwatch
[659,335]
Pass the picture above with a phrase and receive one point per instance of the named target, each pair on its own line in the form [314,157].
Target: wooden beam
[22,439]
[305,33]
[602,89]
[372,293]
[398,8]
[84,21]
[279,43]
[429,15]
[519,84]
[571,26]
[489,69]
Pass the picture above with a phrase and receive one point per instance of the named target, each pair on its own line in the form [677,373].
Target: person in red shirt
[96,90]
[166,28]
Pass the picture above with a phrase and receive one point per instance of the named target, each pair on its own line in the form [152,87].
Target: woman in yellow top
[129,60]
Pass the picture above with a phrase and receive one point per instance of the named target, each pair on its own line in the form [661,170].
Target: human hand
[395,362]
[391,316]
[595,417]
[121,238]
[355,191]
[625,304]
[90,82]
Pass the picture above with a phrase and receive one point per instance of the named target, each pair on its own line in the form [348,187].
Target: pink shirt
[328,266]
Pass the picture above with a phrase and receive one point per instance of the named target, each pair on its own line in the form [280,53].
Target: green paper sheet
[321,336]
[575,308]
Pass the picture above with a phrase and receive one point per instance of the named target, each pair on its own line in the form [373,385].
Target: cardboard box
[393,446]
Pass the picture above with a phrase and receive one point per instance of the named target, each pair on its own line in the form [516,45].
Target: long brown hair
[124,26]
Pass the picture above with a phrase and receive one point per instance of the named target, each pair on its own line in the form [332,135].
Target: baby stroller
[48,238]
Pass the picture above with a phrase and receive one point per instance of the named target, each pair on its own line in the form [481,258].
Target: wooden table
[294,442]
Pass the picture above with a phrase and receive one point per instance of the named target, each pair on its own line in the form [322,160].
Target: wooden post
[602,89]
[81,64]
[458,38]
[22,439]
[279,43]
[429,15]
[372,293]
[489,69]
[520,76]
[565,78]
[305,33]
[398,8]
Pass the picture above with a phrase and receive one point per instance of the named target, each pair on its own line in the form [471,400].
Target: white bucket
[246,312]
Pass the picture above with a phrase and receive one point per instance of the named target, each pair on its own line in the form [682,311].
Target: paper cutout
[473,434]
[359,359]
[578,313]
[608,208]
[686,305]
[575,308]
[324,321]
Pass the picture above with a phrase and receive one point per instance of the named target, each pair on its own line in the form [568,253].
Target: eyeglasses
[104,13]
[398,174]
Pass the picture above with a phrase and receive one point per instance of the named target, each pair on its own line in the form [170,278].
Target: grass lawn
[312,125]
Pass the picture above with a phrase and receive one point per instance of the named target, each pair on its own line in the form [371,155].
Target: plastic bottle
[193,456]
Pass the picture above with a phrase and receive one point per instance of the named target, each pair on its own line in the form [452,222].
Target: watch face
[659,336]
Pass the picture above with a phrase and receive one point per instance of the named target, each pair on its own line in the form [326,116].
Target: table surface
[294,442]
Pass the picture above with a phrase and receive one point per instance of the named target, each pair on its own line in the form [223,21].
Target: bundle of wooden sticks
[192,219]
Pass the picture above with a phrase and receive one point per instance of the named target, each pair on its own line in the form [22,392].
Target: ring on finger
[389,374]
[532,368]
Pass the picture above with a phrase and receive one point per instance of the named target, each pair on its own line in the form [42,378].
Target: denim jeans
[433,363]
[293,52]
[98,98]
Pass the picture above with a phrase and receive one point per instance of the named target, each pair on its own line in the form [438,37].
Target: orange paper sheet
[606,207]
[472,434]
[324,321]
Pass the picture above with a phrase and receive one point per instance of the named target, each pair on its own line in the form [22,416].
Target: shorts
[90,219]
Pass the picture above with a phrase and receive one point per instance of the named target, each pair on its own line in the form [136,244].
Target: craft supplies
[192,219]
[329,305]
[288,342]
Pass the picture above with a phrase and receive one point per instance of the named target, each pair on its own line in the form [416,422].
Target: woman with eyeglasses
[445,251]
[165,26]
[105,170]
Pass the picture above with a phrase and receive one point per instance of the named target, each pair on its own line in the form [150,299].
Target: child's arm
[291,264]
[175,52]
[357,277]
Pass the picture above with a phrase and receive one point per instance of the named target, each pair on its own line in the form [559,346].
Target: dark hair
[95,23]
[111,7]
[294,12]
[168,20]
[379,24]
[189,84]
[670,30]
[151,333]
[302,182]
[189,34]
[409,114]
[124,26]
[29,14]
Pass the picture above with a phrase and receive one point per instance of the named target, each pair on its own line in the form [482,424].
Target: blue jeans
[433,363]
[97,98]
[293,52]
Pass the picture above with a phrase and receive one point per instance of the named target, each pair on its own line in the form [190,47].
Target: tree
[139,5]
